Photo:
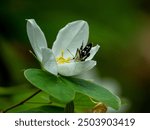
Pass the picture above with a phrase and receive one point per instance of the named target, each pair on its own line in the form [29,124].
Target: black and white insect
[83,53]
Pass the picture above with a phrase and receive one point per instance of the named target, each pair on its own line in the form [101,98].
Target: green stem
[22,102]
[69,107]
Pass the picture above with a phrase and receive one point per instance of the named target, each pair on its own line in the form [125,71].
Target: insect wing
[85,52]
[88,47]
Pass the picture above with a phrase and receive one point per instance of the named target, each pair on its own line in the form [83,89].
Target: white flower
[61,58]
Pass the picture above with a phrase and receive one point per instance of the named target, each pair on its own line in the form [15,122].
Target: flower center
[62,60]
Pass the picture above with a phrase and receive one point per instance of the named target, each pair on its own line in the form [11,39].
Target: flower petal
[93,52]
[48,61]
[36,37]
[75,68]
[71,37]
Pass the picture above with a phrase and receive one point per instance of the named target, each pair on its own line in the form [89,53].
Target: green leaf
[64,89]
[50,84]
[83,103]
[96,92]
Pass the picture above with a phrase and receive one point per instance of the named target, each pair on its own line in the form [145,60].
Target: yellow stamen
[62,60]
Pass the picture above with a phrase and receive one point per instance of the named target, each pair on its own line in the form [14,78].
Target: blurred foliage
[121,28]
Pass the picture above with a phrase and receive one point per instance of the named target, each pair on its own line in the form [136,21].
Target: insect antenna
[70,53]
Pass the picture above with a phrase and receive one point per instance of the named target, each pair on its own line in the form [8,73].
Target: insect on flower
[83,53]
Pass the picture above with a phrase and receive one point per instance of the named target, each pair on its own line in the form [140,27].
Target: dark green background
[120,27]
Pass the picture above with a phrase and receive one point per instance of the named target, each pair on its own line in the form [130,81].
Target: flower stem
[22,102]
[69,107]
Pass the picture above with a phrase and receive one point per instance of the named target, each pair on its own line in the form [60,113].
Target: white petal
[75,68]
[93,52]
[36,37]
[49,62]
[71,37]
